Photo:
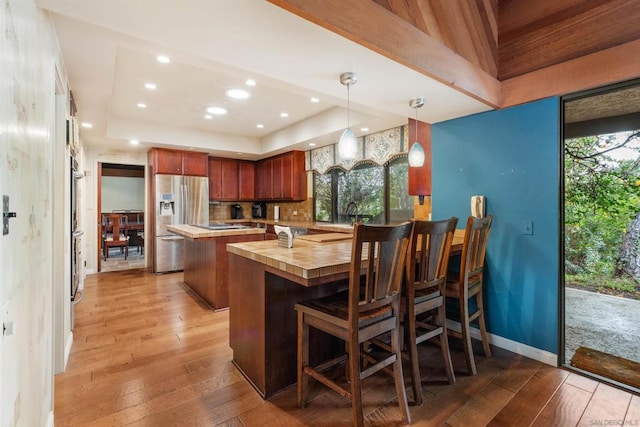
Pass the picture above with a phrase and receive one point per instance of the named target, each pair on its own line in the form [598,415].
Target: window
[375,194]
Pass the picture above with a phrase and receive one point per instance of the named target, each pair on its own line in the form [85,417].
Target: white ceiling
[109,49]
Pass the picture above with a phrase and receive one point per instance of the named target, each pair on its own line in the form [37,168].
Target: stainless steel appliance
[236,212]
[76,238]
[178,200]
[259,210]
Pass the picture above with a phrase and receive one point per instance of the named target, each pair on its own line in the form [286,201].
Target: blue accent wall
[510,156]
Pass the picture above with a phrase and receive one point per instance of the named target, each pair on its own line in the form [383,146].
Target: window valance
[379,148]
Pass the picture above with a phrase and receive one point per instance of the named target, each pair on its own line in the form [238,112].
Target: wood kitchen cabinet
[176,162]
[264,187]
[231,180]
[282,177]
[246,180]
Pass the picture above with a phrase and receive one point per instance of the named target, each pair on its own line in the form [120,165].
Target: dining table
[265,282]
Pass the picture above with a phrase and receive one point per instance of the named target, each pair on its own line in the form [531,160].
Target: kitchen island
[266,282]
[206,260]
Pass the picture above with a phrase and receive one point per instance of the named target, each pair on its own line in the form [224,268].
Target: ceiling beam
[372,26]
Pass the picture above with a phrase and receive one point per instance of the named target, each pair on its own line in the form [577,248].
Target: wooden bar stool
[424,302]
[467,284]
[371,307]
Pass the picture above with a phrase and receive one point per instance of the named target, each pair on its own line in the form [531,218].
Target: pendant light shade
[348,144]
[416,155]
[416,152]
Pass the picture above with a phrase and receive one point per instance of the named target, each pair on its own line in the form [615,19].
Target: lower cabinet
[206,269]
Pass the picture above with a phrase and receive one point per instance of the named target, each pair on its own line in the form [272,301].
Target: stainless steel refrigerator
[178,200]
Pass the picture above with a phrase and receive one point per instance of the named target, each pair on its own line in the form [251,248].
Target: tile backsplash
[303,210]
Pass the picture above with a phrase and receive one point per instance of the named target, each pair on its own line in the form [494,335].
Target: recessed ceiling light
[208,116]
[237,93]
[141,105]
[364,129]
[314,99]
[259,125]
[218,111]
[312,144]
[284,114]
[134,142]
[239,154]
[150,86]
[163,59]
[250,82]
[86,125]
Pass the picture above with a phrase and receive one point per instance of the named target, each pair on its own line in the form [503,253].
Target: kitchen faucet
[348,210]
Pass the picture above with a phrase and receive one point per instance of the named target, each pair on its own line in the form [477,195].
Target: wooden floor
[147,352]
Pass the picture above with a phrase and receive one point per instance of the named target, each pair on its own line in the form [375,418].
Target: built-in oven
[76,237]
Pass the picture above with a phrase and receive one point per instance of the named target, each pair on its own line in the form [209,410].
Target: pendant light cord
[348,105]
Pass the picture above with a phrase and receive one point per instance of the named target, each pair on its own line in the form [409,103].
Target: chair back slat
[386,253]
[433,238]
[474,248]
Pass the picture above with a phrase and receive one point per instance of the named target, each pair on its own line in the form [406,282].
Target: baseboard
[67,349]
[50,421]
[513,346]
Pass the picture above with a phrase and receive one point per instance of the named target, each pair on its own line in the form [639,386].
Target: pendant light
[416,152]
[348,144]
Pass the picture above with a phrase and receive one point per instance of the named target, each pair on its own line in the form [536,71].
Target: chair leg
[357,418]
[444,344]
[483,327]
[412,350]
[466,337]
[126,251]
[398,376]
[303,360]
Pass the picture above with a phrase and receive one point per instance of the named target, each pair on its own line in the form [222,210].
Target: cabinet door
[246,180]
[229,179]
[168,162]
[194,164]
[264,189]
[277,177]
[215,179]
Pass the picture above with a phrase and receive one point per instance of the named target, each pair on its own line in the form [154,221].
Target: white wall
[28,60]
[121,192]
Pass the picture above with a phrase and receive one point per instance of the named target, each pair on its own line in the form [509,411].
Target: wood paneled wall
[468,28]
[537,34]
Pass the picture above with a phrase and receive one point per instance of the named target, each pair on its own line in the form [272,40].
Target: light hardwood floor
[148,352]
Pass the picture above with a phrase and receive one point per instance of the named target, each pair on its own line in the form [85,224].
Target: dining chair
[467,283]
[370,307]
[115,233]
[424,302]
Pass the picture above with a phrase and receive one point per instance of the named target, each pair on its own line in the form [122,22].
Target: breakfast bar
[266,281]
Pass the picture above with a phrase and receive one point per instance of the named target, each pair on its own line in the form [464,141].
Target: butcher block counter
[206,266]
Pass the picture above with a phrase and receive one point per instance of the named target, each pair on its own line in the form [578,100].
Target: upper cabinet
[175,162]
[282,177]
[231,180]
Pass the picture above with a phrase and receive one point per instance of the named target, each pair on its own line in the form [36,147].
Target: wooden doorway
[121,190]
[601,292]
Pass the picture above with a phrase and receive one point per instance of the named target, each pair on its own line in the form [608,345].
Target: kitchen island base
[263,323]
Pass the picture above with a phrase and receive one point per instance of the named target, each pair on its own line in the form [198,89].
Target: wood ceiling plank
[399,41]
[566,35]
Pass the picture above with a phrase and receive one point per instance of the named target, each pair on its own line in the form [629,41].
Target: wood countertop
[309,262]
[193,232]
[306,259]
[325,226]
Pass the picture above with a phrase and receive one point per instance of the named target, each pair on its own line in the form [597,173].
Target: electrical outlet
[295,213]
[527,228]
